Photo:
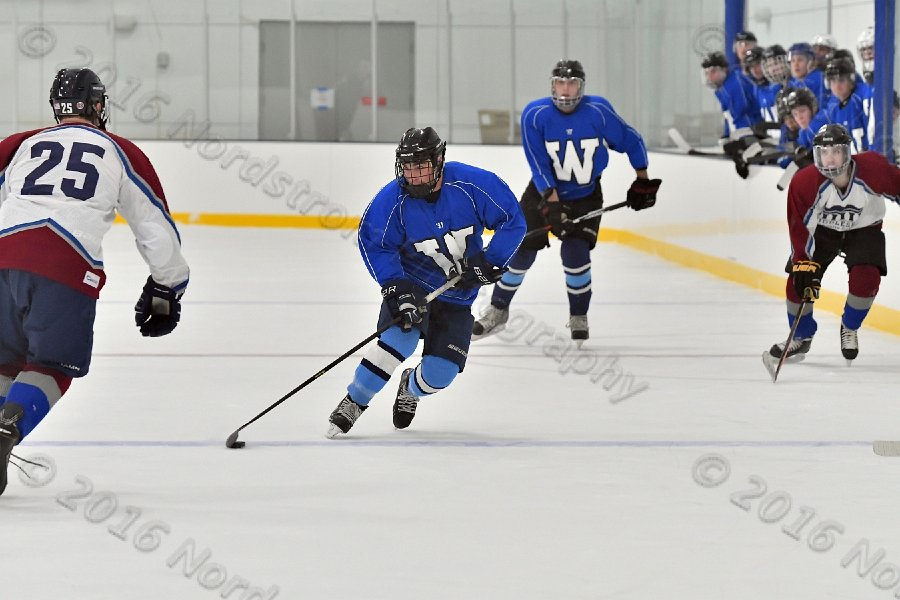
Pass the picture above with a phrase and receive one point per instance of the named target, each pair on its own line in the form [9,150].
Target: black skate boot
[405,404]
[9,437]
[797,349]
[344,416]
[492,321]
[579,326]
[849,343]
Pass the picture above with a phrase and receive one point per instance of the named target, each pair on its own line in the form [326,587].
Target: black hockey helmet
[567,69]
[753,56]
[714,59]
[840,53]
[781,105]
[839,68]
[744,36]
[775,64]
[802,97]
[832,135]
[416,147]
[75,93]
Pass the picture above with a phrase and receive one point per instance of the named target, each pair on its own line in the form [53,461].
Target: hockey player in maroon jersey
[834,207]
[60,190]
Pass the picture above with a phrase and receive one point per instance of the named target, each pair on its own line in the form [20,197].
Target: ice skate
[9,437]
[493,320]
[344,416]
[849,344]
[796,350]
[579,326]
[405,404]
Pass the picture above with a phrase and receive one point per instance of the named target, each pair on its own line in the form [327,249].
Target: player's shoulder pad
[807,177]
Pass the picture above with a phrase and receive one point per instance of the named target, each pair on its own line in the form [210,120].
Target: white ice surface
[518,482]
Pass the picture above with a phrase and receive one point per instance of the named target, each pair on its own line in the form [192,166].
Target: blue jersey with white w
[402,237]
[566,151]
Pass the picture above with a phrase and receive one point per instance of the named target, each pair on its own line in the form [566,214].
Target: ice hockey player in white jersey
[836,208]
[60,190]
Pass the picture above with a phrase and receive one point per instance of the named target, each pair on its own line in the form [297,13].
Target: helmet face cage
[776,67]
[75,93]
[832,171]
[567,70]
[420,149]
[830,140]
[566,103]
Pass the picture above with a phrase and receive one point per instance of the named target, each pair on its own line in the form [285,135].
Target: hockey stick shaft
[787,344]
[428,299]
[584,217]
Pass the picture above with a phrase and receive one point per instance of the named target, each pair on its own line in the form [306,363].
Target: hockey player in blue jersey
[848,103]
[421,230]
[565,137]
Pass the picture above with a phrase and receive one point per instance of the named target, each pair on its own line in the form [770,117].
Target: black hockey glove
[157,310]
[807,276]
[406,300]
[642,193]
[477,271]
[555,217]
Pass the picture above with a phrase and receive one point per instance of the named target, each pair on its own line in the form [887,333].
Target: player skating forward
[60,189]
[421,230]
[836,207]
[566,137]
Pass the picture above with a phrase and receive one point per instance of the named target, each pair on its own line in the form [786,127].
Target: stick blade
[232,441]
[679,140]
[886,448]
[770,363]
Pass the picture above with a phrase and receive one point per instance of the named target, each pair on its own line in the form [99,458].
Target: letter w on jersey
[582,169]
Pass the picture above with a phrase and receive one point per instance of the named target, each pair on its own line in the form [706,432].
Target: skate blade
[771,363]
[886,448]
[333,431]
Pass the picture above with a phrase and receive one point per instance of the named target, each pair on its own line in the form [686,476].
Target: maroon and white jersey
[60,189]
[814,201]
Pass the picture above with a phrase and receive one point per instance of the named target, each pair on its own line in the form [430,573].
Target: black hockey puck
[232,441]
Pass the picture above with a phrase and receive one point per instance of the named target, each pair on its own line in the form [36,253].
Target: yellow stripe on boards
[879,317]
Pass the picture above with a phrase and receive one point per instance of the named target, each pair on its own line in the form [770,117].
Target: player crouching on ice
[836,207]
[420,231]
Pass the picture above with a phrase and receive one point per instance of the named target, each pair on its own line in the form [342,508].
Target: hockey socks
[375,369]
[509,284]
[576,260]
[808,326]
[36,393]
[432,375]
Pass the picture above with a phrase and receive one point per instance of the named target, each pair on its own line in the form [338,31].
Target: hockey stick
[754,154]
[232,441]
[584,217]
[685,147]
[767,356]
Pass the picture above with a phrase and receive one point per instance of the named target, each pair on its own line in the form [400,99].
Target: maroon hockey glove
[807,277]
[642,193]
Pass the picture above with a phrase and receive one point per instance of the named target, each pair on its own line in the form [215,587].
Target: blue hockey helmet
[76,93]
[417,149]
[801,48]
